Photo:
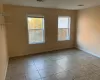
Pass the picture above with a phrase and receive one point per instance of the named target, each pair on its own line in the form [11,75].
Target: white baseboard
[88,52]
[6,71]
[6,68]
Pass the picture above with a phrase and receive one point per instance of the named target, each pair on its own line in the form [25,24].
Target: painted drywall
[88,30]
[3,48]
[17,33]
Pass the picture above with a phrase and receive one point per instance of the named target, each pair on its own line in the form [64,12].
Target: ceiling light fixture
[81,5]
[40,0]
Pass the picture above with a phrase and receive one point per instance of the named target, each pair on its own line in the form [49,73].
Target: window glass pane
[35,30]
[35,23]
[62,34]
[63,22]
[63,28]
[35,36]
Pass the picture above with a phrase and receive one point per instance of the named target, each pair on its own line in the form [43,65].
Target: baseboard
[6,71]
[6,68]
[45,51]
[88,52]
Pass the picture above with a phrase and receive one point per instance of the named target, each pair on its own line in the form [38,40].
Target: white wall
[88,30]
[3,48]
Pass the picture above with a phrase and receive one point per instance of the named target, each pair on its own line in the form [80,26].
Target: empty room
[50,40]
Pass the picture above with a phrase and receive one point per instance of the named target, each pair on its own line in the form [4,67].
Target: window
[64,28]
[35,29]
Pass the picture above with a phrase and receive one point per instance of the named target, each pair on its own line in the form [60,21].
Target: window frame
[69,25]
[43,29]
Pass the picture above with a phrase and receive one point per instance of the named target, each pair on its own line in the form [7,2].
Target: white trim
[63,28]
[37,16]
[37,42]
[64,16]
[88,52]
[69,25]
[6,68]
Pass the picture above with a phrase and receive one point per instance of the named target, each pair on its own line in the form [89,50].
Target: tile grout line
[49,75]
[37,71]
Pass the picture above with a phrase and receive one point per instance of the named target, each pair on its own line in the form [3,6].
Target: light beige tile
[43,64]
[53,77]
[32,75]
[65,76]
[71,64]
[16,77]
[51,70]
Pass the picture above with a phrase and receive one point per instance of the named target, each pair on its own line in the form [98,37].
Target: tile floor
[71,64]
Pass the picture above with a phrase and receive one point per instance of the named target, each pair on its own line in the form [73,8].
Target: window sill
[36,43]
[68,39]
[63,40]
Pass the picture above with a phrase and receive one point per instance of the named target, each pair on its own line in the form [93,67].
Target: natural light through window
[35,29]
[64,28]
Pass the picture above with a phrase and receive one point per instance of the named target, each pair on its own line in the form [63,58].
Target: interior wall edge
[87,51]
[88,30]
[3,46]
[51,50]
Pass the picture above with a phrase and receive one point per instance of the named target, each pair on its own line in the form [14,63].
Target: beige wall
[17,33]
[88,30]
[3,48]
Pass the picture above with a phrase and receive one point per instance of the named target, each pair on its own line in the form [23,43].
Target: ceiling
[62,4]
